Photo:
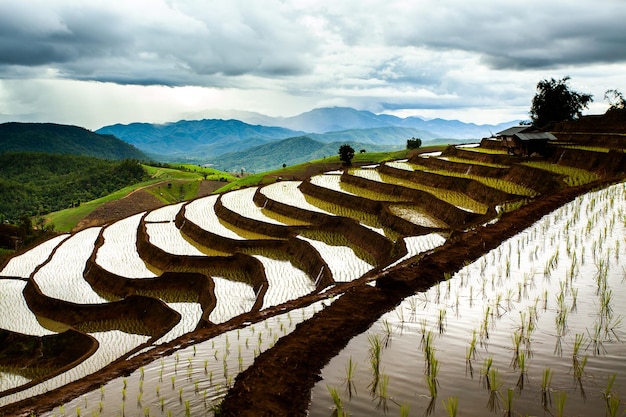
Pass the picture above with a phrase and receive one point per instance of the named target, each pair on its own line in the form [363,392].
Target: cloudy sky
[92,63]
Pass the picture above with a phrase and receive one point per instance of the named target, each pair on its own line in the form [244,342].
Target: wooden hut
[525,140]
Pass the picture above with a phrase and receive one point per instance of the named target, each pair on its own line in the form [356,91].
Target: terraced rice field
[249,282]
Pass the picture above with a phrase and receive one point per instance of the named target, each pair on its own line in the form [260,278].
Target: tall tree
[615,99]
[346,153]
[555,102]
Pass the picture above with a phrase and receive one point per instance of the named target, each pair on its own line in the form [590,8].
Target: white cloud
[85,62]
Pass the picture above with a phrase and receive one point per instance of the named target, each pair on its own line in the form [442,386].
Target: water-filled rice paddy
[534,327]
[485,309]
[62,276]
[342,261]
[118,254]
[24,265]
[193,380]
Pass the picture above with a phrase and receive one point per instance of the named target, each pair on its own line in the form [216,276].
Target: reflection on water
[532,326]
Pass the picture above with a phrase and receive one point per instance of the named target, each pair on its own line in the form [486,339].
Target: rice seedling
[451,405]
[375,349]
[471,350]
[608,390]
[560,397]
[431,383]
[334,182]
[509,402]
[441,323]
[349,378]
[494,383]
[404,410]
[484,372]
[612,406]
[382,392]
[523,370]
[337,401]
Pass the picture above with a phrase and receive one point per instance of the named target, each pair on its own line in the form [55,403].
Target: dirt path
[137,201]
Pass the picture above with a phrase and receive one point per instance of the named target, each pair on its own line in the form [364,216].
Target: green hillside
[289,152]
[64,139]
[32,184]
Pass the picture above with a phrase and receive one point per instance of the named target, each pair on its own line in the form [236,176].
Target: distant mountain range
[201,140]
[64,139]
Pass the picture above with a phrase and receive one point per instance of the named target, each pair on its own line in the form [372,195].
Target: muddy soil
[135,202]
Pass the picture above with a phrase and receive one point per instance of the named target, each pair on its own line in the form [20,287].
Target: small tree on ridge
[346,153]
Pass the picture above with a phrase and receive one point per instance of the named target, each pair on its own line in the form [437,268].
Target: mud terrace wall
[472,188]
[538,180]
[446,212]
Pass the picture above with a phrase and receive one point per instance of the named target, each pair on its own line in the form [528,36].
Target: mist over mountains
[218,141]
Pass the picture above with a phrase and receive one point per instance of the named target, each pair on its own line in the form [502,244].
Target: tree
[413,143]
[346,153]
[555,102]
[615,99]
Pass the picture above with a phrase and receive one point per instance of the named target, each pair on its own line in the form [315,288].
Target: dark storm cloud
[90,41]
[519,35]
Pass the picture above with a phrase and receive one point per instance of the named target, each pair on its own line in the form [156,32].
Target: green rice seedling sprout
[471,350]
[187,409]
[173,381]
[158,390]
[560,397]
[349,379]
[382,392]
[494,383]
[374,357]
[451,405]
[608,390]
[337,400]
[509,402]
[146,411]
[517,339]
[546,381]
[139,395]
[484,372]
[442,320]
[387,332]
[431,383]
[612,406]
[523,370]
[404,410]
[77,411]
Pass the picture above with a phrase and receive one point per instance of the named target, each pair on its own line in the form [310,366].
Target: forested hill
[32,184]
[64,139]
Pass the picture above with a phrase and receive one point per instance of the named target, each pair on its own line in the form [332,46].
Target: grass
[302,170]
[184,186]
[573,176]
[473,162]
[453,197]
[499,184]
